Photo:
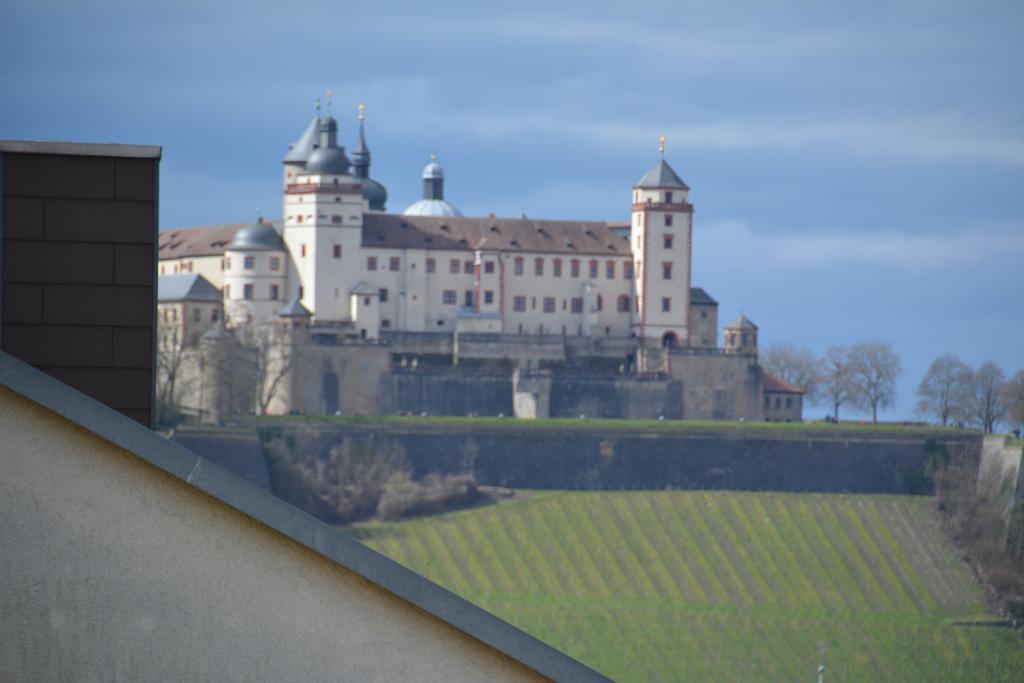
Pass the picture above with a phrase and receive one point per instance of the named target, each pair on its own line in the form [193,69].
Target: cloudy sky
[857,168]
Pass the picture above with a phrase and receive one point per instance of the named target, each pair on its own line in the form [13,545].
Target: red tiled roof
[774,385]
[593,238]
[206,240]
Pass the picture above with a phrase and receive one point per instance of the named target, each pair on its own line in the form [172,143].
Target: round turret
[433,202]
[257,236]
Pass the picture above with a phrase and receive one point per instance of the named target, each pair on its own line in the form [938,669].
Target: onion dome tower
[375,194]
[433,202]
[328,157]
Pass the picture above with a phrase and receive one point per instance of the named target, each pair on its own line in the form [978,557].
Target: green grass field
[719,586]
[602,423]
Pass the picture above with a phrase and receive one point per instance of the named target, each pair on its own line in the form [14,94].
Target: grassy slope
[719,585]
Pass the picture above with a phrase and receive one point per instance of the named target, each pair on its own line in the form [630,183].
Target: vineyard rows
[721,586]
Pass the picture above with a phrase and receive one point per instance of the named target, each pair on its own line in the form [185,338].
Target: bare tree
[834,379]
[986,398]
[942,391]
[170,362]
[794,365]
[269,357]
[1015,399]
[874,367]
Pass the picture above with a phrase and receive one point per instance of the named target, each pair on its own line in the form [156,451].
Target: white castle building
[430,280]
[431,269]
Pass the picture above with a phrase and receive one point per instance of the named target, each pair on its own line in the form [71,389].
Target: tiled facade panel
[79,235]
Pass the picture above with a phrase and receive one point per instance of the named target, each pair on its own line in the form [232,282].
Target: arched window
[593,269]
[624,303]
[518,270]
[669,340]
[556,267]
[609,270]
[575,267]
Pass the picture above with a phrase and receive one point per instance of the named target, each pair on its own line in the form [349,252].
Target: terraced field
[721,586]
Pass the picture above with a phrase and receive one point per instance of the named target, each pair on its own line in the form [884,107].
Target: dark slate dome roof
[257,236]
[328,160]
[375,193]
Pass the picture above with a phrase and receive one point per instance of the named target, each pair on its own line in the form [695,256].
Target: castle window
[214,315]
[668,200]
[600,302]
[538,266]
[335,218]
[385,323]
[746,340]
[227,263]
[666,304]
[549,304]
[383,294]
[453,266]
[337,251]
[767,401]
[574,268]
[299,217]
[593,269]
[518,268]
[556,267]
[195,314]
[394,263]
[247,292]
[488,297]
[431,265]
[302,252]
[275,292]
[468,298]
[275,263]
[623,305]
[533,303]
[609,270]
[448,296]
[627,270]
[467,267]
[249,263]
[488,266]
[577,304]
[371,263]
[519,304]
[668,220]
[366,301]
[703,314]
[666,270]
[789,402]
[778,402]
[668,241]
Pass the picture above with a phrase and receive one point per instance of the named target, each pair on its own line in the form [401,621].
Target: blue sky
[857,168]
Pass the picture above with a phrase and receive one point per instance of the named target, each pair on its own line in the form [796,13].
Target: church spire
[361,153]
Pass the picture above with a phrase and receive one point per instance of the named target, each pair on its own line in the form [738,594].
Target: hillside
[719,586]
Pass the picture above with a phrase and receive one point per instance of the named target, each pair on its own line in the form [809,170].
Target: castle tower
[376,195]
[323,223]
[662,239]
[255,274]
[740,336]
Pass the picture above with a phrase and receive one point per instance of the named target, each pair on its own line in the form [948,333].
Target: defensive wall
[559,456]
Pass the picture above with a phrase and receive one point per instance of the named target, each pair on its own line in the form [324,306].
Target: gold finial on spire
[362,111]
[661,146]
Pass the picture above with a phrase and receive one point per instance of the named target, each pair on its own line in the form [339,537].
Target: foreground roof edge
[98,149]
[265,508]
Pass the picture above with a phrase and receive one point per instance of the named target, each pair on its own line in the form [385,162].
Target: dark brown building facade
[78,233]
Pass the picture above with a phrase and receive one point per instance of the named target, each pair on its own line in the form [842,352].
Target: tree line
[863,377]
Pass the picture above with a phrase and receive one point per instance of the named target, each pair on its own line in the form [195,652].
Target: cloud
[886,249]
